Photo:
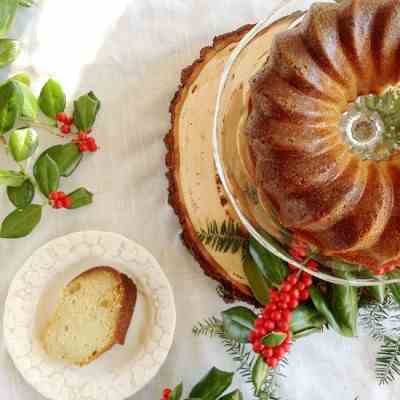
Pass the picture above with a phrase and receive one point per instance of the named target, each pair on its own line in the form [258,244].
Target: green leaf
[66,156]
[323,308]
[257,281]
[9,51]
[80,198]
[11,102]
[176,393]
[274,339]
[8,10]
[26,3]
[344,305]
[212,385]
[273,268]
[238,323]
[235,395]
[47,175]
[30,105]
[306,320]
[21,223]
[11,178]
[259,374]
[394,287]
[23,143]
[22,77]
[52,99]
[21,196]
[85,111]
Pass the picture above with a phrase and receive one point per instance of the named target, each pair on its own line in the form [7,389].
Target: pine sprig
[209,327]
[388,361]
[373,317]
[226,237]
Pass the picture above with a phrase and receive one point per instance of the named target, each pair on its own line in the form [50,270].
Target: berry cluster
[166,394]
[66,122]
[86,143]
[276,316]
[59,200]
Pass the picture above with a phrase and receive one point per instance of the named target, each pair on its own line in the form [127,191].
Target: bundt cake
[319,186]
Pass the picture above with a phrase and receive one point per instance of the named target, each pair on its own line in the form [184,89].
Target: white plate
[123,370]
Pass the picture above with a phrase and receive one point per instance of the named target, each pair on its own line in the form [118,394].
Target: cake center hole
[363,130]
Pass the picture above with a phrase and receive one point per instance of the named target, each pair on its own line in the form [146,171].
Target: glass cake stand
[232,158]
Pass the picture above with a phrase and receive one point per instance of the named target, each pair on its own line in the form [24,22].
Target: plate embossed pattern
[114,376]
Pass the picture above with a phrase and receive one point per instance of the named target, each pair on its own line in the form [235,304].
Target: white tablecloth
[131,52]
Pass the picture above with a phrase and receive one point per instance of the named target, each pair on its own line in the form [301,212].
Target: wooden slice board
[195,191]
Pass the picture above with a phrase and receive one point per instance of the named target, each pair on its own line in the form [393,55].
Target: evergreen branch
[388,361]
[228,237]
[210,327]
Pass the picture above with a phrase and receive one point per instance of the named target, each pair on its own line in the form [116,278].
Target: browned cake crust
[320,188]
[129,290]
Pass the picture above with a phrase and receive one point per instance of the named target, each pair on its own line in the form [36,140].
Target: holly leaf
[11,101]
[26,3]
[274,339]
[80,198]
[11,178]
[176,394]
[212,385]
[66,156]
[258,283]
[30,105]
[8,10]
[22,77]
[23,143]
[22,196]
[235,395]
[52,99]
[306,320]
[9,51]
[47,175]
[273,268]
[259,374]
[238,323]
[21,223]
[85,111]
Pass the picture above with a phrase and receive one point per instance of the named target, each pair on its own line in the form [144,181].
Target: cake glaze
[347,206]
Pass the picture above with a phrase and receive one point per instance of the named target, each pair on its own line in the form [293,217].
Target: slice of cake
[93,314]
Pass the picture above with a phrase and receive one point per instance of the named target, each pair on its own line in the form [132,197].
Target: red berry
[292,279]
[293,304]
[269,326]
[304,295]
[272,307]
[283,306]
[58,204]
[301,286]
[279,352]
[62,117]
[380,271]
[294,294]
[285,298]
[268,352]
[257,346]
[262,332]
[92,145]
[273,362]
[276,316]
[286,346]
[286,315]
[283,326]
[273,295]
[167,393]
[67,202]
[65,129]
[296,254]
[69,120]
[307,279]
[312,264]
[259,323]
[286,287]
[83,147]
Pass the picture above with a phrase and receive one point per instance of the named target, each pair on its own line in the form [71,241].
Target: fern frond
[210,327]
[226,237]
[388,361]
